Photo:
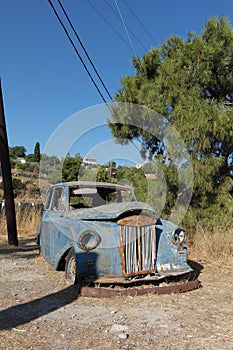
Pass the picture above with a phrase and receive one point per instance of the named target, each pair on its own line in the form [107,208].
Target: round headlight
[178,236]
[88,240]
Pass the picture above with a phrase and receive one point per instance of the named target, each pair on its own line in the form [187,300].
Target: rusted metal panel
[137,245]
[137,220]
[121,249]
[109,293]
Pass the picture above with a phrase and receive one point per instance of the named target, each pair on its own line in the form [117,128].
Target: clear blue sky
[43,80]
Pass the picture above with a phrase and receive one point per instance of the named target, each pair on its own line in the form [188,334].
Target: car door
[51,235]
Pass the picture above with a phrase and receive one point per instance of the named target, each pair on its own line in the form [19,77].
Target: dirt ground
[39,310]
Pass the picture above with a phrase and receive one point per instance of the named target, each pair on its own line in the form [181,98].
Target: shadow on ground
[17,315]
[26,245]
[197,267]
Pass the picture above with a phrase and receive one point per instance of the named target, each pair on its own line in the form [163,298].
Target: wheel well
[62,261]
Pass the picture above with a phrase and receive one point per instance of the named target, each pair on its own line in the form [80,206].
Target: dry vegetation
[27,222]
[213,244]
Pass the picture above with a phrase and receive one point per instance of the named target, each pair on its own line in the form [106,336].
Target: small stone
[119,328]
[123,336]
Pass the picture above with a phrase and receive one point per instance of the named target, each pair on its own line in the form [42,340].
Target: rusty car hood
[109,211]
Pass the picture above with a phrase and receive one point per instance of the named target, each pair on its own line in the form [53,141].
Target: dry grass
[27,222]
[213,244]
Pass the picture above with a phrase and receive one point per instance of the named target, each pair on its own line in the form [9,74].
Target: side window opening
[48,199]
[58,200]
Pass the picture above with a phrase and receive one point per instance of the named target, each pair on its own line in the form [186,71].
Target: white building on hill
[88,160]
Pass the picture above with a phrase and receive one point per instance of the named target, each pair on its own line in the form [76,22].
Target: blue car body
[116,238]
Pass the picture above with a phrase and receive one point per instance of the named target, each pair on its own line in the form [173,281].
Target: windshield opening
[91,197]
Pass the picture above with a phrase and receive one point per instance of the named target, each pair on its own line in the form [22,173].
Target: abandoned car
[100,233]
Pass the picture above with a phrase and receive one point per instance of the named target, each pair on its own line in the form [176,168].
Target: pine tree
[189,82]
[37,155]
[71,169]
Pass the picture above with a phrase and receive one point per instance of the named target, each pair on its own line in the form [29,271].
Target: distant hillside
[25,188]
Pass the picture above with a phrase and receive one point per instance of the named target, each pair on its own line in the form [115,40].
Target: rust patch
[99,292]
[137,220]
[137,223]
[121,248]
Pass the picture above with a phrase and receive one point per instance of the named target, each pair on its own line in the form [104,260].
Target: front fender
[171,258]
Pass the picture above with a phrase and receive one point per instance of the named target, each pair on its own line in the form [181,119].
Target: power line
[130,31]
[140,22]
[126,29]
[85,51]
[76,50]
[127,32]
[119,16]
[109,24]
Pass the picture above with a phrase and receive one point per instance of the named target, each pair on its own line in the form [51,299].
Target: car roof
[74,184]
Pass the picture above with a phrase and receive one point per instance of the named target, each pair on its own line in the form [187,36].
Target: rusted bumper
[106,293]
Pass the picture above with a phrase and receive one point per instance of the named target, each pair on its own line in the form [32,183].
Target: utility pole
[7,179]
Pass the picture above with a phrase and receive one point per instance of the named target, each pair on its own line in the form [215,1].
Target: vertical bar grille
[138,247]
